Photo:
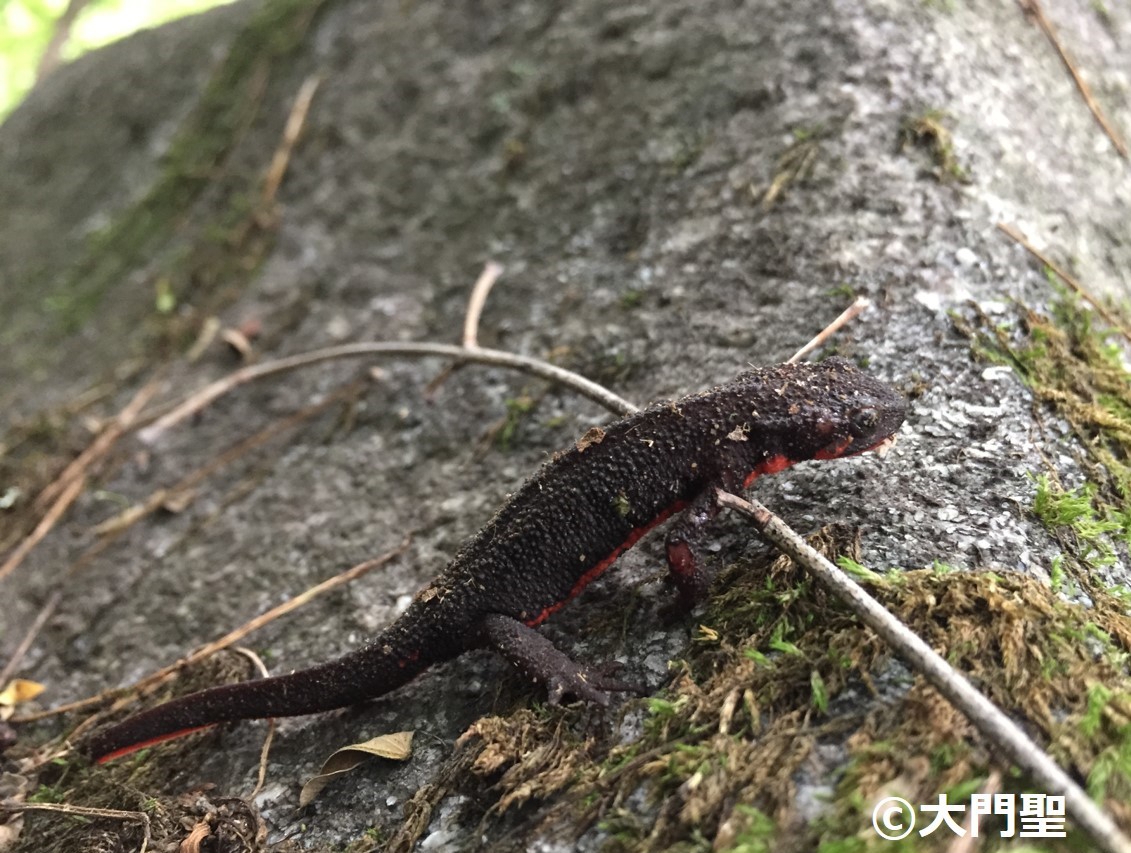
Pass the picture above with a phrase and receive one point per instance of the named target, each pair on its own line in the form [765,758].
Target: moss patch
[929,132]
[141,783]
[777,694]
[1072,365]
[211,252]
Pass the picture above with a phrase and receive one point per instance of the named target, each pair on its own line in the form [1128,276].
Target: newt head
[854,413]
[824,411]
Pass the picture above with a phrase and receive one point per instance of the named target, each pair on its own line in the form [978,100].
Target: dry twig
[37,624]
[83,811]
[291,132]
[1072,283]
[265,750]
[1033,9]
[994,725]
[65,488]
[479,294]
[49,520]
[847,315]
[155,679]
[528,364]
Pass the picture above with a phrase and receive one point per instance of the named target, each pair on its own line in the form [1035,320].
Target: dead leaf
[396,746]
[192,842]
[20,690]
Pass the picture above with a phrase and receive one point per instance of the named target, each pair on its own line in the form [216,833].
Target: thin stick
[475,303]
[63,808]
[479,293]
[291,132]
[36,626]
[44,527]
[155,679]
[998,728]
[535,366]
[65,488]
[101,445]
[847,315]
[265,750]
[134,513]
[109,530]
[61,33]
[1034,10]
[1078,288]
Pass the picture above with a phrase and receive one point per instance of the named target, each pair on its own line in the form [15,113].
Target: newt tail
[564,528]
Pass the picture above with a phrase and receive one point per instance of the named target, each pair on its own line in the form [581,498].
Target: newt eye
[865,420]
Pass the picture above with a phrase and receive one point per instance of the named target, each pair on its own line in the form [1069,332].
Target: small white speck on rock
[996,373]
[338,329]
[965,257]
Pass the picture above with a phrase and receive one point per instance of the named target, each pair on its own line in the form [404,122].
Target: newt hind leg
[538,658]
[687,572]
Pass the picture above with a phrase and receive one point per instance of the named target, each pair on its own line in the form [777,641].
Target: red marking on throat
[145,744]
[599,568]
[772,465]
[833,451]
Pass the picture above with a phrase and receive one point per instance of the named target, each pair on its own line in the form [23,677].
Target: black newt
[562,530]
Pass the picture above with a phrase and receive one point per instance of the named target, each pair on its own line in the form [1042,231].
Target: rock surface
[616,159]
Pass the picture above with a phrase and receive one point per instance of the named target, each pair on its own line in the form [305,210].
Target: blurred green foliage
[28,26]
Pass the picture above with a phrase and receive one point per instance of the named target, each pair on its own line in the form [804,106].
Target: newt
[563,529]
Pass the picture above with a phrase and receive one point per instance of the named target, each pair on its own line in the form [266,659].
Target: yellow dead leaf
[20,690]
[396,746]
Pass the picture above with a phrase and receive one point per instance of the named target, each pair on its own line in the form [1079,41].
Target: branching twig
[528,364]
[101,445]
[994,725]
[65,488]
[52,516]
[475,303]
[157,499]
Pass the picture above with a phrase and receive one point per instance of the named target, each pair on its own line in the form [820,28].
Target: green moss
[929,131]
[517,410]
[1078,511]
[754,832]
[631,298]
[1074,366]
[195,162]
[47,794]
